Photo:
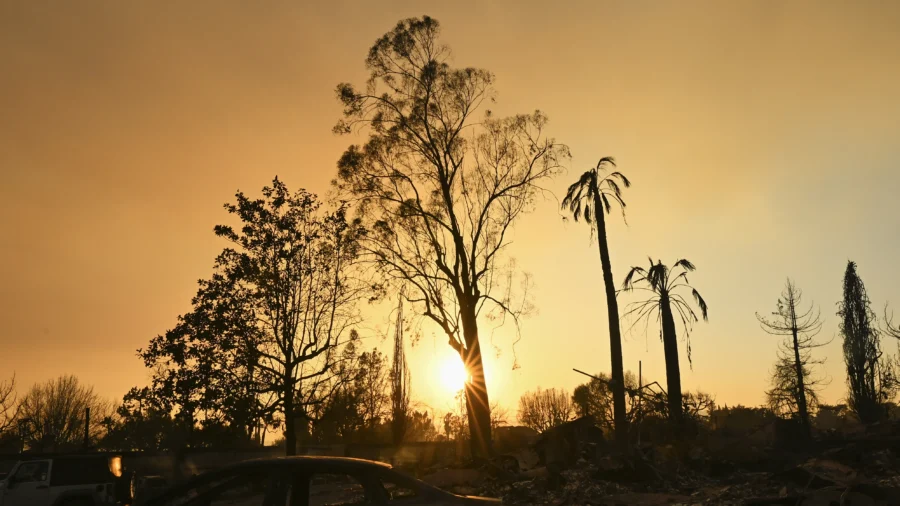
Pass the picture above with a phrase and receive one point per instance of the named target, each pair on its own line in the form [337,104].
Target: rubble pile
[574,468]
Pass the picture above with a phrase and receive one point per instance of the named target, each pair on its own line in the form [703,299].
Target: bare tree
[499,415]
[9,407]
[889,328]
[440,189]
[400,411]
[871,377]
[589,198]
[53,415]
[544,409]
[793,388]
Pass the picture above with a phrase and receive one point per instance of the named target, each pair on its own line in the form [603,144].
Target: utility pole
[87,428]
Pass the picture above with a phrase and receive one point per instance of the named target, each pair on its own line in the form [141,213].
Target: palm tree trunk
[615,335]
[673,369]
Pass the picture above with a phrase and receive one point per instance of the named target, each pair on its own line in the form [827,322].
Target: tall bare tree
[589,198]
[440,189]
[870,376]
[296,262]
[662,283]
[400,412]
[793,386]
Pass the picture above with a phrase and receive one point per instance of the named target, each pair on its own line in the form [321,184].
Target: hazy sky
[763,140]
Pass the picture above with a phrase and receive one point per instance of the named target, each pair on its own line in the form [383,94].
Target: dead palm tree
[589,198]
[663,284]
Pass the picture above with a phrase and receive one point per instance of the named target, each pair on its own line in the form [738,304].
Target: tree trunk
[290,423]
[615,336]
[478,405]
[801,387]
[673,369]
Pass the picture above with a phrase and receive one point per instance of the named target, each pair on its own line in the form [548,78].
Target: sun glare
[453,374]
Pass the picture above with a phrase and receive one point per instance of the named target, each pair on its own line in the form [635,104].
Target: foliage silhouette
[871,378]
[296,261]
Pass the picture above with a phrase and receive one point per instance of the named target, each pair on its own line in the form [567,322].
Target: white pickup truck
[71,480]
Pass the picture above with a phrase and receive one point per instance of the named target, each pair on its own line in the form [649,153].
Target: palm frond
[615,188]
[621,176]
[701,303]
[605,160]
[628,284]
[657,276]
[684,264]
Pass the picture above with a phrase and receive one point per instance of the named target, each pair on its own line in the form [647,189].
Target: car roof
[310,460]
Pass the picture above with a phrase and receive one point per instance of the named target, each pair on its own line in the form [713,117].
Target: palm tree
[588,198]
[663,283]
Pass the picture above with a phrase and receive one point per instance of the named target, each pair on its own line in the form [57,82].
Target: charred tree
[793,386]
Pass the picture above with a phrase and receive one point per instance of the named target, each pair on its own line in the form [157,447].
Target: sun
[453,374]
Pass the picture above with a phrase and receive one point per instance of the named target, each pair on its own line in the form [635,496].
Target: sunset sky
[762,138]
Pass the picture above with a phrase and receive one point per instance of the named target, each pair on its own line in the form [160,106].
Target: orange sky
[763,140]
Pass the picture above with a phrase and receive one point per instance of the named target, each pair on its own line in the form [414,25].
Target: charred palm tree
[663,283]
[589,199]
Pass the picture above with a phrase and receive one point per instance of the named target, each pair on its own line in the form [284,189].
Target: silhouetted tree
[456,422]
[596,399]
[793,388]
[340,419]
[53,415]
[499,415]
[9,406]
[420,426]
[205,369]
[143,422]
[589,198]
[372,388]
[889,328]
[544,409]
[870,378]
[663,283]
[296,263]
[400,412]
[440,189]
